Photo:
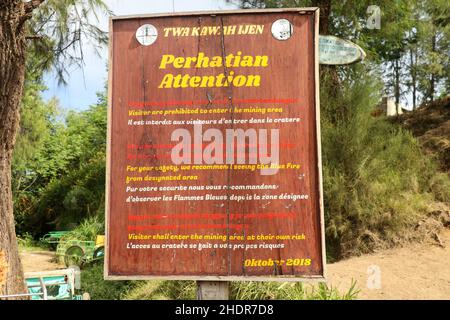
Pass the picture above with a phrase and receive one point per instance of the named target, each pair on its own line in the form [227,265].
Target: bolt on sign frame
[213,156]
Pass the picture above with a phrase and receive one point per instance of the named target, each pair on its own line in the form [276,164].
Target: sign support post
[213,290]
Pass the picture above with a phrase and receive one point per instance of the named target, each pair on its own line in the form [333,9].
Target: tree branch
[29,8]
[33,37]
[33,4]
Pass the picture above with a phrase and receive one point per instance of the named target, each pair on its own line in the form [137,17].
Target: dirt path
[418,271]
[39,261]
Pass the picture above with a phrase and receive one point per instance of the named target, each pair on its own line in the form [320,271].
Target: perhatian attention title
[224,79]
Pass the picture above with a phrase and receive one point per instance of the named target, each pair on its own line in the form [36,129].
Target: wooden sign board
[336,51]
[213,167]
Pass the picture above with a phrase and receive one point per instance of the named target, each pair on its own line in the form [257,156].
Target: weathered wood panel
[225,216]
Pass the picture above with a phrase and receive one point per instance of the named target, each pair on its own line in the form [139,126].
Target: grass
[162,290]
[92,282]
[241,290]
[289,291]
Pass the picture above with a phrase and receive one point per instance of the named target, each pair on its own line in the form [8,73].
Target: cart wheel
[74,256]
[99,253]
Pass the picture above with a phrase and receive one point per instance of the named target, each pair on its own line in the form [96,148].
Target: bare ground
[416,271]
[39,261]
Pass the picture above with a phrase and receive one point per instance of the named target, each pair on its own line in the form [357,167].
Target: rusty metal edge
[312,279]
[319,143]
[108,149]
[216,12]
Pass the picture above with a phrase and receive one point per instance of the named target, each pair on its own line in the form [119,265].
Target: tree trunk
[328,73]
[433,78]
[12,75]
[413,66]
[397,84]
[325,11]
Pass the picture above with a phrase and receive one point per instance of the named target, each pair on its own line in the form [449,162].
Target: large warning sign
[213,168]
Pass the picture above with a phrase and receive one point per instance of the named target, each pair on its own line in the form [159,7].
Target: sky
[83,84]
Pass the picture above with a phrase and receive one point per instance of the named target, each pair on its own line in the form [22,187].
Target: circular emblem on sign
[282,29]
[146,34]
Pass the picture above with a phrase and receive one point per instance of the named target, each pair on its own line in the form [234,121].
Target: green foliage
[411,48]
[440,187]
[64,28]
[28,243]
[88,229]
[26,240]
[46,148]
[99,289]
[38,119]
[65,173]
[431,49]
[377,182]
